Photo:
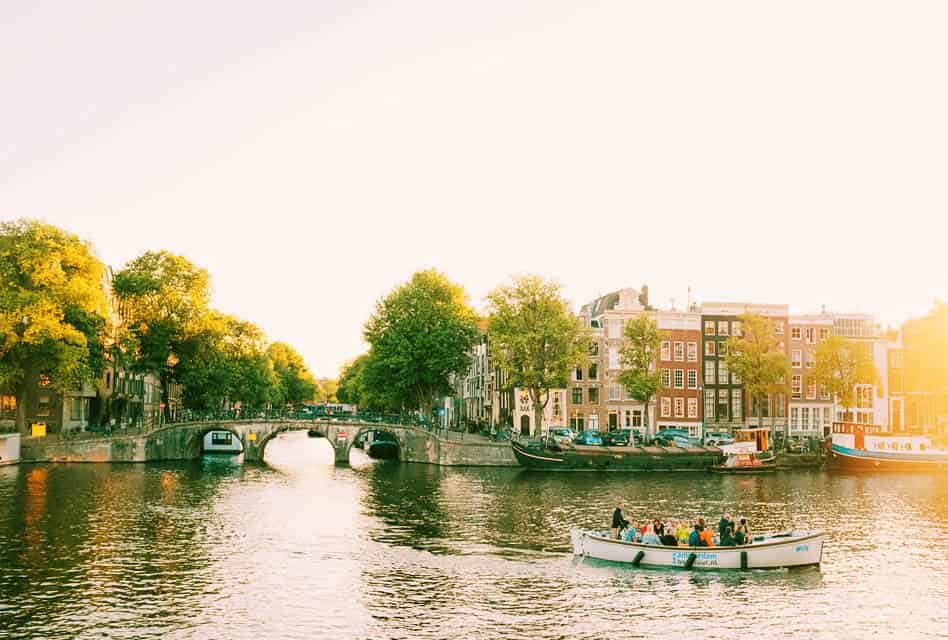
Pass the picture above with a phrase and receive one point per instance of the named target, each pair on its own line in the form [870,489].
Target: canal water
[300,549]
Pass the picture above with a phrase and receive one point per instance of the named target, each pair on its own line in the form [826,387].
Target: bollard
[638,558]
[691,560]
[743,560]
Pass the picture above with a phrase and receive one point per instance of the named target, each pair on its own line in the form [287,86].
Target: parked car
[561,435]
[589,438]
[666,437]
[620,438]
[717,438]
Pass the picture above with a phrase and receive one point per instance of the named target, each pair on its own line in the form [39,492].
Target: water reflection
[298,548]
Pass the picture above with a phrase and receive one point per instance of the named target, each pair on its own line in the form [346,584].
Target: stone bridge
[185,442]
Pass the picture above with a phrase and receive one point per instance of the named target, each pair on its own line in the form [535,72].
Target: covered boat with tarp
[552,457]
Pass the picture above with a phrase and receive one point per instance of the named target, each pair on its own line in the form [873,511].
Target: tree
[327,389]
[842,364]
[642,340]
[163,300]
[757,359]
[295,382]
[352,389]
[419,335]
[53,310]
[535,337]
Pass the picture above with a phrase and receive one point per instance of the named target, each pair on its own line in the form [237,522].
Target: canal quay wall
[184,442]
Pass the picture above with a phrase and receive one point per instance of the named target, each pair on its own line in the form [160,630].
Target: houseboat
[575,457]
[868,447]
[222,442]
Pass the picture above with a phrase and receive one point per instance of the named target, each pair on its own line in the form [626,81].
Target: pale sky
[311,155]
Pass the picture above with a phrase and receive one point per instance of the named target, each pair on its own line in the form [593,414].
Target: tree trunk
[645,424]
[21,398]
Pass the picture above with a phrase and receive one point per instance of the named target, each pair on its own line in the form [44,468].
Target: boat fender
[743,560]
[691,560]
[638,558]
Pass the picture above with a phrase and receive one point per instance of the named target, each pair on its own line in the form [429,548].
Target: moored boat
[868,448]
[743,457]
[770,551]
[539,457]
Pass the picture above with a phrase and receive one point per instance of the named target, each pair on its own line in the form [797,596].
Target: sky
[313,155]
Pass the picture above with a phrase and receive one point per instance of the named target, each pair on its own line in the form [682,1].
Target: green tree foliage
[842,364]
[295,382]
[352,390]
[163,300]
[53,309]
[327,389]
[419,335]
[757,359]
[535,337]
[641,341]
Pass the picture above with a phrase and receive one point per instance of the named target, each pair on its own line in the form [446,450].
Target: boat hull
[843,457]
[595,458]
[749,471]
[793,549]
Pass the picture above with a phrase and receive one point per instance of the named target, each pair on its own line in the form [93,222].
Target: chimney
[643,296]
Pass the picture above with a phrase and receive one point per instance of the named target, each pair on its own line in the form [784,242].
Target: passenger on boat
[630,535]
[727,538]
[669,539]
[725,522]
[707,537]
[658,527]
[618,519]
[682,531]
[650,537]
[746,527]
[740,536]
[694,539]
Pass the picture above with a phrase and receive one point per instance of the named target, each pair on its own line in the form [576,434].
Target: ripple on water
[300,549]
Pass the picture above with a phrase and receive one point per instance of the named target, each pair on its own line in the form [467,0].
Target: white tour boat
[770,551]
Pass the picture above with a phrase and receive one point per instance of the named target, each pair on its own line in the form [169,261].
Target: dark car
[620,438]
[667,437]
[588,437]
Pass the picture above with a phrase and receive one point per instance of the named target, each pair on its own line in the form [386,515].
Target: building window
[735,378]
[679,378]
[709,327]
[810,359]
[736,404]
[722,349]
[795,333]
[809,334]
[805,418]
[576,423]
[824,333]
[76,408]
[737,328]
[679,407]
[827,416]
[615,392]
[692,407]
[578,374]
[709,371]
[594,372]
[594,422]
[692,378]
[778,328]
[796,387]
[723,404]
[722,328]
[692,352]
[810,390]
[666,378]
[593,398]
[666,407]
[615,331]
[824,392]
[666,350]
[8,406]
[613,358]
[794,418]
[796,358]
[42,408]
[679,352]
[577,395]
[708,404]
[722,371]
[636,417]
[594,348]
[709,347]
[781,401]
